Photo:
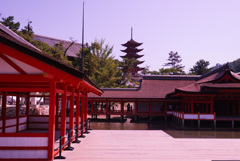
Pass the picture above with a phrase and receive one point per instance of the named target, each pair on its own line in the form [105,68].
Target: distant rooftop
[72,51]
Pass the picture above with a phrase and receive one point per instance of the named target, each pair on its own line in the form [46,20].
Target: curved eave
[132,43]
[131,50]
[39,60]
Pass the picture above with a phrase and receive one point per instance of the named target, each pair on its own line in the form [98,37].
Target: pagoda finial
[131,32]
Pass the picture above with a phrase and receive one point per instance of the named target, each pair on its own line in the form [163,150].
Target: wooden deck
[151,145]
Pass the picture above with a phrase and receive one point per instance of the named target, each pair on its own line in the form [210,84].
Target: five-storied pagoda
[131,52]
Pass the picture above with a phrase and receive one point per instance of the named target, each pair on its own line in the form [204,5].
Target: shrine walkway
[151,145]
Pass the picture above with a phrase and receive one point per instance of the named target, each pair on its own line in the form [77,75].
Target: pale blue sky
[196,29]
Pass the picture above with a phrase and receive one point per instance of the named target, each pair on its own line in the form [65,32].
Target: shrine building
[210,100]
[28,131]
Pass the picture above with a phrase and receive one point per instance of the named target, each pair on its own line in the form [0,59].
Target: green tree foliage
[171,71]
[126,65]
[27,33]
[9,22]
[174,61]
[99,64]
[146,71]
[200,68]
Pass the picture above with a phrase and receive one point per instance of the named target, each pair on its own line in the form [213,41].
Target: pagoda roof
[132,43]
[218,79]
[140,62]
[131,50]
[132,55]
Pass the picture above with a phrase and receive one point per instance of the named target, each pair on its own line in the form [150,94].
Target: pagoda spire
[131,33]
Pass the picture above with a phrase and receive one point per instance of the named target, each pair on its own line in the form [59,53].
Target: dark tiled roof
[72,51]
[150,88]
[214,79]
[170,77]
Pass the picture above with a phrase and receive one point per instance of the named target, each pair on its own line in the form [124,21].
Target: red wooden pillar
[17,111]
[71,112]
[122,107]
[51,124]
[4,106]
[77,107]
[57,109]
[63,113]
[28,108]
[107,110]
[86,106]
[82,107]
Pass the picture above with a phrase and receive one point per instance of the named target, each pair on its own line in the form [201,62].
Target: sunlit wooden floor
[150,145]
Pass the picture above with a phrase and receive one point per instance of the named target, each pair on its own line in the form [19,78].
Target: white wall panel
[11,129]
[24,154]
[24,141]
[22,120]
[11,122]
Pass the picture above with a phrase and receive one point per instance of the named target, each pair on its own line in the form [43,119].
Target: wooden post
[77,107]
[57,109]
[122,110]
[107,110]
[28,109]
[63,113]
[17,111]
[4,106]
[86,106]
[82,107]
[71,112]
[51,124]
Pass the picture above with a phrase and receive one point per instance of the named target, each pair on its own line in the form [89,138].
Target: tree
[9,22]
[27,33]
[99,64]
[200,68]
[146,71]
[174,61]
[126,65]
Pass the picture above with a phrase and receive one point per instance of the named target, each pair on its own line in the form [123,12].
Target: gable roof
[221,78]
[16,49]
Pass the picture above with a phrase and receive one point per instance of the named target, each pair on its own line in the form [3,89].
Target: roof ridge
[51,38]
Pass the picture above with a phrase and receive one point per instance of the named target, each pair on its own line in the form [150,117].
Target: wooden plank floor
[150,145]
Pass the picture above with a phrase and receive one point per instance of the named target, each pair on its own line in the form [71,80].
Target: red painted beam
[23,78]
[12,64]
